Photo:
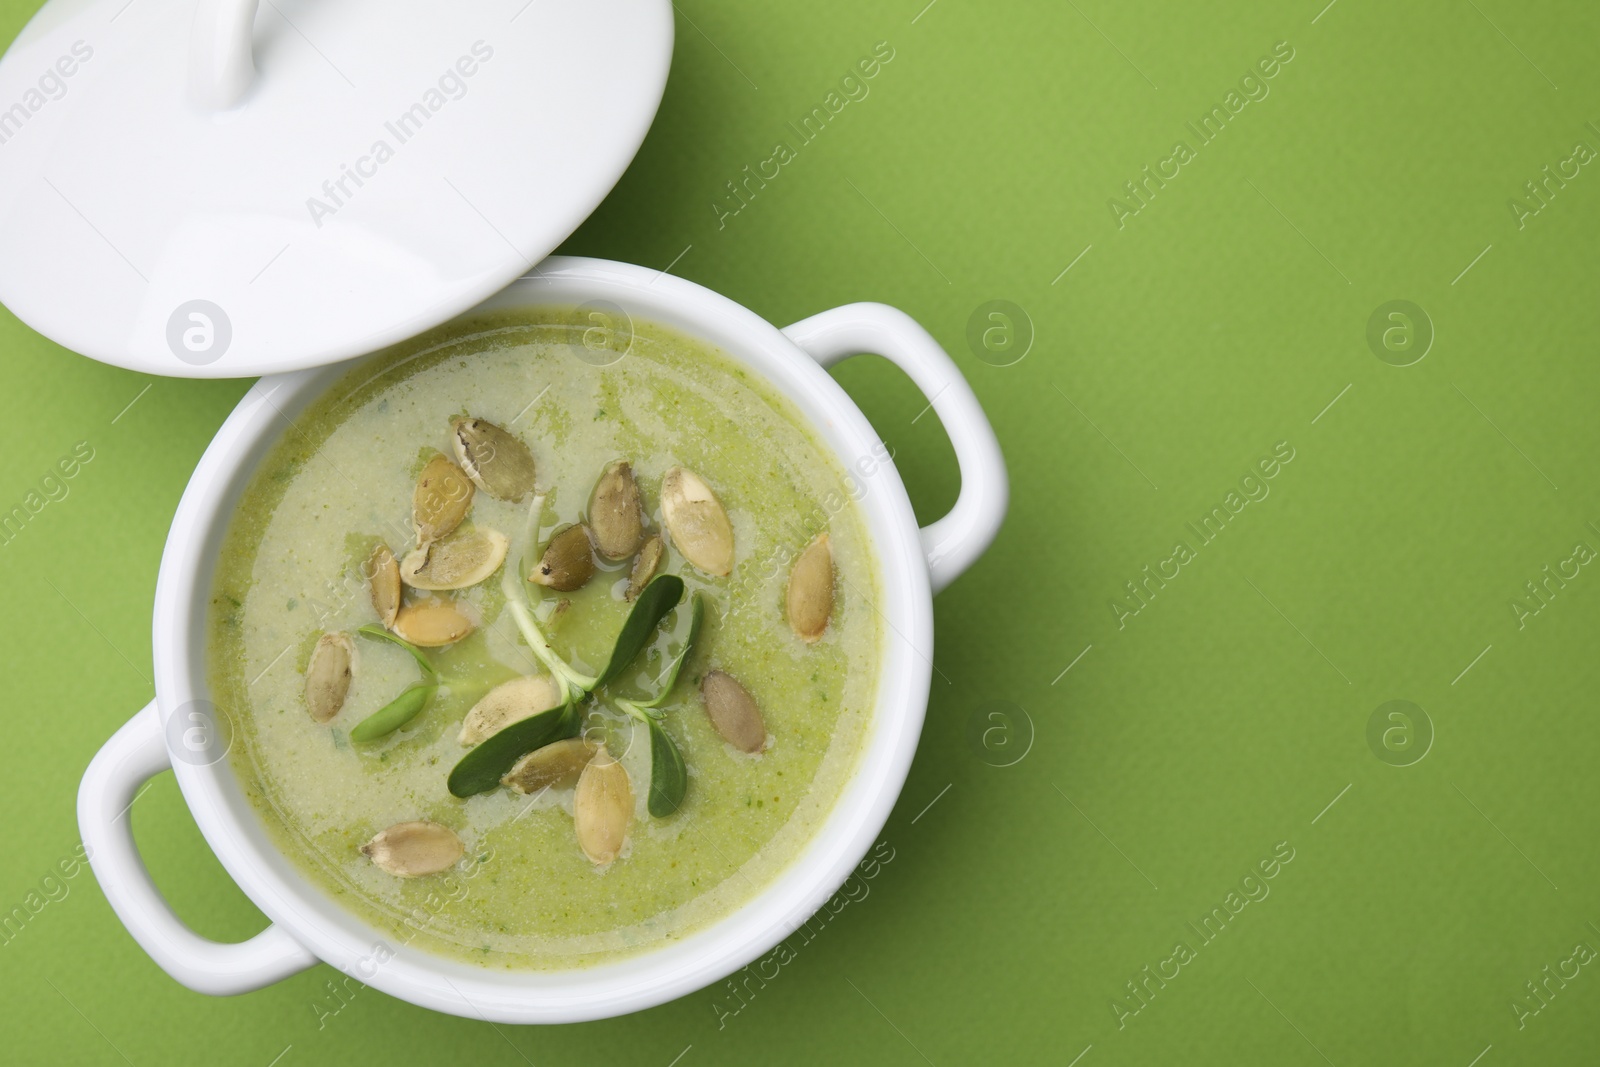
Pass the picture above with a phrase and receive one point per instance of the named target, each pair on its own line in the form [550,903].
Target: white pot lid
[200,189]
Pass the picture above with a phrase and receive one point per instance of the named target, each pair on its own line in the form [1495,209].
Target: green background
[1186,742]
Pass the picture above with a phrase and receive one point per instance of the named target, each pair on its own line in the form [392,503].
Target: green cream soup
[579,871]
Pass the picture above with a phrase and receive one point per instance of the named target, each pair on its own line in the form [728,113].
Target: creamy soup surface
[523,894]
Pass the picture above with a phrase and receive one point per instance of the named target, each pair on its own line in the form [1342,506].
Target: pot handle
[135,754]
[956,541]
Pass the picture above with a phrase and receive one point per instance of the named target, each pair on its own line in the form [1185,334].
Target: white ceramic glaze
[307,925]
[196,188]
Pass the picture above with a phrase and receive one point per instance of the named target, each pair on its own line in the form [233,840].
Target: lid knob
[221,53]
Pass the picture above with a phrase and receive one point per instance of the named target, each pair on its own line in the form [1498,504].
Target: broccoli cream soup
[543,646]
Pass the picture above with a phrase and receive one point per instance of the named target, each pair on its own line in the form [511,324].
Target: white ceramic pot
[307,926]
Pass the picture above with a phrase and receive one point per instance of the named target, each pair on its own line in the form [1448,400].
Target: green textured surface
[1180,748]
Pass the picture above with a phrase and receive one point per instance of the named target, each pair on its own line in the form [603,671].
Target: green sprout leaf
[379,633]
[669,780]
[669,677]
[395,714]
[409,704]
[481,769]
[658,598]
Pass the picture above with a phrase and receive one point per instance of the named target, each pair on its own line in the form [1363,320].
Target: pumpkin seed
[733,712]
[505,704]
[463,559]
[602,808]
[496,460]
[697,522]
[441,499]
[645,564]
[384,583]
[568,560]
[811,590]
[432,623]
[328,675]
[552,766]
[615,512]
[414,849]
